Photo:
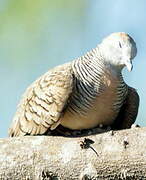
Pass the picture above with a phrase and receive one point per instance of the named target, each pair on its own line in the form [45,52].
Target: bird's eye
[120,45]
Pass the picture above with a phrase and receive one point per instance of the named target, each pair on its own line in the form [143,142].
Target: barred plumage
[83,93]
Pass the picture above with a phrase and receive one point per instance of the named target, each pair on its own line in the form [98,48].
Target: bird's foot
[62,131]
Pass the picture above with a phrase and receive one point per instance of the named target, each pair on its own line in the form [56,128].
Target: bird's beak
[128,64]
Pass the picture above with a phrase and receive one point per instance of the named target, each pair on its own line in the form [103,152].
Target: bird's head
[119,49]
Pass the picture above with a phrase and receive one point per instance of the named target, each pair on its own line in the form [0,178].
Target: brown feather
[128,111]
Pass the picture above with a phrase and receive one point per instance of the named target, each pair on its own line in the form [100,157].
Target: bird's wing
[43,103]
[128,111]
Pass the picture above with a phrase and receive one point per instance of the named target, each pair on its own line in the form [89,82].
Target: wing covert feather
[43,102]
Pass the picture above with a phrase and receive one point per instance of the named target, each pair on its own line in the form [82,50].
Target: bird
[83,93]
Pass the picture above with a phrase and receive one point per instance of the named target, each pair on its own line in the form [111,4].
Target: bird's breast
[103,108]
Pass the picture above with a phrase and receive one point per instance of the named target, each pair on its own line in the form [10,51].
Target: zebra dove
[82,94]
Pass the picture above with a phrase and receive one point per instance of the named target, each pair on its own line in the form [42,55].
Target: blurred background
[39,34]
